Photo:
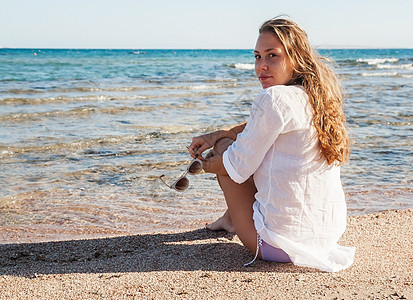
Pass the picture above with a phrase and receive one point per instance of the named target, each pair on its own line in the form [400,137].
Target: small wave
[245,66]
[75,112]
[137,52]
[389,67]
[88,145]
[119,93]
[86,110]
[23,91]
[104,98]
[376,61]
[220,79]
[39,90]
[202,87]
[74,145]
[242,66]
[59,99]
[211,86]
[380,74]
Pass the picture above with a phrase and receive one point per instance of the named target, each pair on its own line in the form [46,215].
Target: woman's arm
[203,142]
[235,130]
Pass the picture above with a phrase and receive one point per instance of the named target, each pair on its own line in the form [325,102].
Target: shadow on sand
[187,251]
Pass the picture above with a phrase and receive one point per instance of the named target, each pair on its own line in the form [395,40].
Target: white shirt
[300,205]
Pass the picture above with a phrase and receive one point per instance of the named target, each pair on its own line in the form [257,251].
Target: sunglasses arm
[160,177]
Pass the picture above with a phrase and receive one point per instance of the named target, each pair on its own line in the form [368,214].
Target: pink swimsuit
[269,253]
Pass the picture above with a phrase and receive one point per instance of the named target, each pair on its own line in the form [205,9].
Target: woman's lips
[264,77]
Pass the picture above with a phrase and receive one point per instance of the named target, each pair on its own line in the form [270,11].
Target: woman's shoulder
[289,100]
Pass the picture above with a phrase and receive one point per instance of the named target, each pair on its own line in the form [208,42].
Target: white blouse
[300,205]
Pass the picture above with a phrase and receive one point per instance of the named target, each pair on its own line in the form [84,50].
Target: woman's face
[272,65]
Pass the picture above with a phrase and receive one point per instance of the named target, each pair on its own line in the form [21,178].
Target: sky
[193,24]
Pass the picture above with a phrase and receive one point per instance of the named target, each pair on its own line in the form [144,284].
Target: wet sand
[201,264]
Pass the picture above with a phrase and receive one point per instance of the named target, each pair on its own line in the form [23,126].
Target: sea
[86,134]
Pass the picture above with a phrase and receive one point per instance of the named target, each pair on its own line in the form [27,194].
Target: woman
[280,171]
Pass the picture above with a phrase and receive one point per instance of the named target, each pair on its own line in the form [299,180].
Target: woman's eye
[257,56]
[272,55]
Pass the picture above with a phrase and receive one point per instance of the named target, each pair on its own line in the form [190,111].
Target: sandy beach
[201,264]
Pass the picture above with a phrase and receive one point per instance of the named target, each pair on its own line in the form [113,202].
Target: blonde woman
[280,171]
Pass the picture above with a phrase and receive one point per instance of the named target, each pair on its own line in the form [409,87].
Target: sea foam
[379,74]
[376,61]
[405,66]
[244,66]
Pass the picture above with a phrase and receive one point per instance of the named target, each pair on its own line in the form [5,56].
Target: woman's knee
[221,146]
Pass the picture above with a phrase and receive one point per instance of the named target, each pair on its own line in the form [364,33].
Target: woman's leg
[239,198]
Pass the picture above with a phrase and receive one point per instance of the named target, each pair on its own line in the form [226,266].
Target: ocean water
[85,135]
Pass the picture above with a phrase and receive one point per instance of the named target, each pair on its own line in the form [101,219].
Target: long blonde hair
[321,84]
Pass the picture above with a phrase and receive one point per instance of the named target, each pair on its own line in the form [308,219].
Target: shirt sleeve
[246,154]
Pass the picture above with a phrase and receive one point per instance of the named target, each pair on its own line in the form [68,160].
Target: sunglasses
[195,167]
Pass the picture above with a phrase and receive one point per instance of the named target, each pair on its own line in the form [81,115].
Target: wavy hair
[322,86]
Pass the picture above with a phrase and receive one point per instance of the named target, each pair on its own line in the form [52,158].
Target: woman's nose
[262,65]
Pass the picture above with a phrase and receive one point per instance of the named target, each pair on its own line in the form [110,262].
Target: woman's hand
[201,143]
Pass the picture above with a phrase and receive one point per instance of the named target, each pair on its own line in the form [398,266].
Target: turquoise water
[85,135]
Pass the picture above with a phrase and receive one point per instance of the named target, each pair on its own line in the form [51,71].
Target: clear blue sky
[210,24]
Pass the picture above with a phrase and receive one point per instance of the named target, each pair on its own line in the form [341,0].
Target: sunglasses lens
[182,184]
[195,167]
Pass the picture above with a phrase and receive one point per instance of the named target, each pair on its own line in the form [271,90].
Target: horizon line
[326,47]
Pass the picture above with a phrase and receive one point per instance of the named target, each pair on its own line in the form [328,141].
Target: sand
[200,264]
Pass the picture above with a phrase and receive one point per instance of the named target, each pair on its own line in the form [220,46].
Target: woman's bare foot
[223,223]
